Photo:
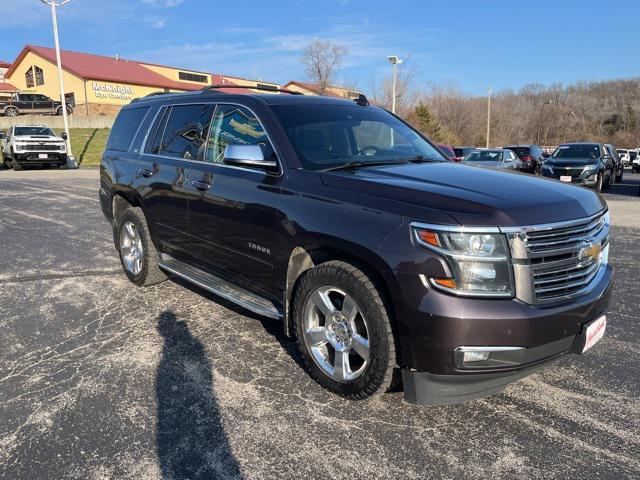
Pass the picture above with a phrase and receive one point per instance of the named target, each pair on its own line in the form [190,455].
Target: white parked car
[623,153]
[33,144]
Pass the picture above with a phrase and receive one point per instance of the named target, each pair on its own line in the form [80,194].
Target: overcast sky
[469,43]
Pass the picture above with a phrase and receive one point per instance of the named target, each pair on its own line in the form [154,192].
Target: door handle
[145,172]
[201,185]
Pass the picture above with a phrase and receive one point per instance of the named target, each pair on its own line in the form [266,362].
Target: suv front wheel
[138,255]
[343,330]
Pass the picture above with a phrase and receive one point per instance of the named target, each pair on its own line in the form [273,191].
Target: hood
[36,137]
[571,162]
[472,196]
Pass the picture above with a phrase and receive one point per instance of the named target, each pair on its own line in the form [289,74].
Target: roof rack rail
[152,94]
[208,88]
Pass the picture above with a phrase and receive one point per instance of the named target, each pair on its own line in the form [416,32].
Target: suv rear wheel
[343,330]
[138,255]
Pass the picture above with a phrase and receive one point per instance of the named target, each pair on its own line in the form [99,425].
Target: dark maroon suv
[385,261]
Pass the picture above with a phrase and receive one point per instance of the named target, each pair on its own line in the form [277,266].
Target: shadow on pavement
[191,441]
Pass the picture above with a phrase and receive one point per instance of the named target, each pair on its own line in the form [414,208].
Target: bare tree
[321,59]
[406,95]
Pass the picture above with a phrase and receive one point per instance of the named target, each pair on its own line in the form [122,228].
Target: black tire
[378,375]
[607,184]
[619,177]
[11,112]
[599,182]
[150,273]
[16,166]
[6,163]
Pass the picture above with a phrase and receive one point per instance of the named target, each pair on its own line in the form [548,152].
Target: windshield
[577,151]
[328,136]
[621,152]
[484,156]
[520,151]
[33,131]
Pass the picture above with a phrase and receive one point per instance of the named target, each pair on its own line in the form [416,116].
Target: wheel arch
[10,107]
[307,255]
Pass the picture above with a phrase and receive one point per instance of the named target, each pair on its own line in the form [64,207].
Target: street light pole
[395,61]
[71,163]
[489,115]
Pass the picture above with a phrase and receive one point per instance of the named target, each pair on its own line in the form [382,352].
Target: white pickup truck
[32,145]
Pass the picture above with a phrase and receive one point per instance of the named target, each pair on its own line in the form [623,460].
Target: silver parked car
[495,158]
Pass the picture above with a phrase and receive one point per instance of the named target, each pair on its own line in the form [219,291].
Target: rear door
[176,140]
[233,210]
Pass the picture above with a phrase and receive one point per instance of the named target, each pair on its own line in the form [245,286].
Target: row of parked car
[594,165]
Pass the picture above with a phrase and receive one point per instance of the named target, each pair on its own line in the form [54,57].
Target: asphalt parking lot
[100,379]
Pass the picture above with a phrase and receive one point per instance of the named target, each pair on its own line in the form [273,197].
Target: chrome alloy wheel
[131,248]
[336,334]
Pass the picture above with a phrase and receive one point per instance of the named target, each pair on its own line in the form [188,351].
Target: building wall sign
[114,92]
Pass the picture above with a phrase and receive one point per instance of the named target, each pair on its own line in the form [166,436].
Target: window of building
[235,125]
[39,76]
[125,128]
[186,130]
[29,78]
[192,77]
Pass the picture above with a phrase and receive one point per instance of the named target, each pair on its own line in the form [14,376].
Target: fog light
[475,357]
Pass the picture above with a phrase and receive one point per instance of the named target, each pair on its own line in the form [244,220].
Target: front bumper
[430,333]
[34,157]
[587,178]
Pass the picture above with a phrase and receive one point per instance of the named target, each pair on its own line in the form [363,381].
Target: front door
[233,211]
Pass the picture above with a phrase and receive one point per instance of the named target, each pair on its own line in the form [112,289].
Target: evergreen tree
[427,123]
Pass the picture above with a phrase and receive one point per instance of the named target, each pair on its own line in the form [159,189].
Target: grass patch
[87,144]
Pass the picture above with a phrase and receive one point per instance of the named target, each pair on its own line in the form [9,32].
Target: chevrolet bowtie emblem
[591,252]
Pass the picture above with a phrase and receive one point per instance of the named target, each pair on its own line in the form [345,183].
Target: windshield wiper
[350,165]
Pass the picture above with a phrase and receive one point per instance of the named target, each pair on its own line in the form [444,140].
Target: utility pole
[71,163]
[489,115]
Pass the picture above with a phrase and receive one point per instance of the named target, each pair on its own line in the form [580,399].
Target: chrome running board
[220,287]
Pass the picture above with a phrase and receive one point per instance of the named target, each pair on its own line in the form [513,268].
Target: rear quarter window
[125,127]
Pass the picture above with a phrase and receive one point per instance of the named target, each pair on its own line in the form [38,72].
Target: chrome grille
[41,148]
[555,262]
[557,238]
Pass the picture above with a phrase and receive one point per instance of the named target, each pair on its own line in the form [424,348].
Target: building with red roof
[307,88]
[98,84]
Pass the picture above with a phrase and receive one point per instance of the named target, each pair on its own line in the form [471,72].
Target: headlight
[590,167]
[478,260]
[21,146]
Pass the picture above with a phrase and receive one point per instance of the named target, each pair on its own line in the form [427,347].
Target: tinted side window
[155,135]
[185,134]
[125,128]
[235,125]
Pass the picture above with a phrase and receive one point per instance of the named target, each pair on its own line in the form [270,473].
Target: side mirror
[64,135]
[250,156]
